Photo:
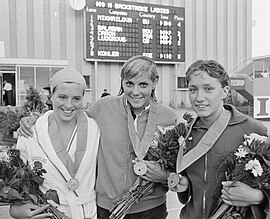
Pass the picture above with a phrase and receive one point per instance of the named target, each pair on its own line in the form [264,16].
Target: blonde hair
[137,66]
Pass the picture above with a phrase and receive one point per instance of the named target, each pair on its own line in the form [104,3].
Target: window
[181,83]
[36,76]
[26,77]
[87,79]
[42,77]
[42,80]
[25,81]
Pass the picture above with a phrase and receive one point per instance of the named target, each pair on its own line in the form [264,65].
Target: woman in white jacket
[65,141]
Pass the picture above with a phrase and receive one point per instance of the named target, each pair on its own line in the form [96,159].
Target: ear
[226,91]
[154,85]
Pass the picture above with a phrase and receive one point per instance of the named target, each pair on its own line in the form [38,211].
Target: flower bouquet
[164,148]
[249,164]
[19,183]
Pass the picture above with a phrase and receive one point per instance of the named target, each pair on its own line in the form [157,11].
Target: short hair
[136,66]
[212,67]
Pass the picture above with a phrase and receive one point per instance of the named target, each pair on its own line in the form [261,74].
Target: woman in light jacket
[65,141]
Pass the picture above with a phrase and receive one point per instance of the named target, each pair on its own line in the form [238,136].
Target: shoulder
[245,122]
[91,122]
[43,119]
[105,102]
[254,125]
[103,105]
[164,111]
[164,108]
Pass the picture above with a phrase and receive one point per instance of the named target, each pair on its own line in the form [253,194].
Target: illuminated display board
[117,30]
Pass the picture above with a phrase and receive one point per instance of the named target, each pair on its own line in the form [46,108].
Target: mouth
[201,106]
[136,99]
[67,111]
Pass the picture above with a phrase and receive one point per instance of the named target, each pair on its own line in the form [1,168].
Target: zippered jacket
[201,198]
[115,173]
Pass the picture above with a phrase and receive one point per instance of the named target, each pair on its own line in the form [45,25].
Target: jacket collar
[236,117]
[141,142]
[151,107]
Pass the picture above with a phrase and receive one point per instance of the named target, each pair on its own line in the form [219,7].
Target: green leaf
[266,160]
[2,183]
[14,194]
[38,179]
[51,194]
[34,198]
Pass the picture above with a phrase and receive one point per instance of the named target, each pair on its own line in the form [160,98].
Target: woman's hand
[25,126]
[28,211]
[240,194]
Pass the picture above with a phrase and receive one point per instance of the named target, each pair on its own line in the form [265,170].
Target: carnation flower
[252,156]
[164,130]
[168,128]
[181,139]
[4,156]
[255,166]
[241,152]
[19,183]
[154,143]
[38,164]
[252,136]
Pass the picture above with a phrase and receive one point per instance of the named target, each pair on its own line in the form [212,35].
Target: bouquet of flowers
[19,183]
[164,149]
[250,164]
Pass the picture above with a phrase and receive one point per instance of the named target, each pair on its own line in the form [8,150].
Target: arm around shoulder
[93,109]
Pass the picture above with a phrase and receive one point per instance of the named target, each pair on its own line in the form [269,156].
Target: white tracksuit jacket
[77,204]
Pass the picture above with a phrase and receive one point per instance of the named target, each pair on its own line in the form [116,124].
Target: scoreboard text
[119,30]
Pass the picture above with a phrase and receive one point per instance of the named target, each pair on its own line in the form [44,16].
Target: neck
[208,121]
[65,124]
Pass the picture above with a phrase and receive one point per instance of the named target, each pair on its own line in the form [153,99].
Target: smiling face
[138,91]
[67,99]
[206,95]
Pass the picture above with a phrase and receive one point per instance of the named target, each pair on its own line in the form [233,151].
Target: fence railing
[241,65]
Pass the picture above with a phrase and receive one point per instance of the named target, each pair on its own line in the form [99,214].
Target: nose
[136,90]
[69,102]
[200,95]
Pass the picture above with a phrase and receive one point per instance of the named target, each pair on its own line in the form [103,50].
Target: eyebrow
[203,85]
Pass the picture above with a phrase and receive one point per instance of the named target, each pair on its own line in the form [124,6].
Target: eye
[143,85]
[129,83]
[62,97]
[208,89]
[192,89]
[77,99]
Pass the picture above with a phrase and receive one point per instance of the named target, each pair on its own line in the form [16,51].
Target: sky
[261,28]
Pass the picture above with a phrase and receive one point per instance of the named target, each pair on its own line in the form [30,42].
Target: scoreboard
[118,30]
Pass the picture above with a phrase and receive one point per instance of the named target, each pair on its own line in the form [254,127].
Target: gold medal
[140,168]
[73,184]
[173,180]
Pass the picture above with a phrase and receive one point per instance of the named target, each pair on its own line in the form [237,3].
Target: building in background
[37,38]
[251,80]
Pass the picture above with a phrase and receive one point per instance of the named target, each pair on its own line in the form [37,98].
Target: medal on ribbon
[73,184]
[140,168]
[173,180]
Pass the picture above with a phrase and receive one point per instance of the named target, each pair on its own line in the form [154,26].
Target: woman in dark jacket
[208,85]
